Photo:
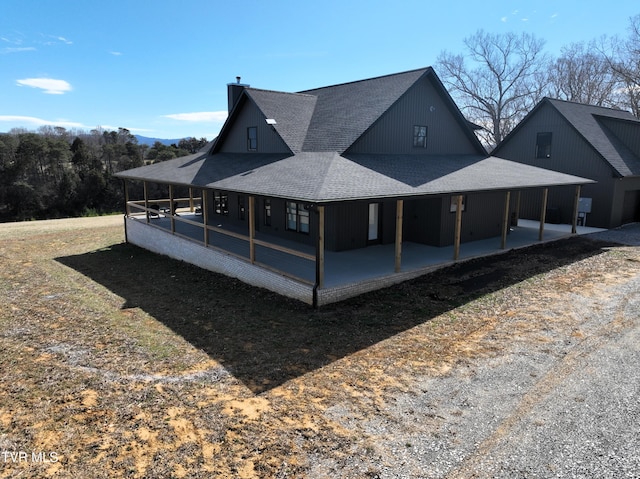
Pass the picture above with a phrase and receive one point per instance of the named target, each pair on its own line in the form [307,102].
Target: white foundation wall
[161,242]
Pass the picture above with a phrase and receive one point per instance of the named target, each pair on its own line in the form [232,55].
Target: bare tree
[582,74]
[506,78]
[623,57]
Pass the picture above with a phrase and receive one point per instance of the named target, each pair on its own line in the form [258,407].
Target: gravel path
[627,235]
[561,401]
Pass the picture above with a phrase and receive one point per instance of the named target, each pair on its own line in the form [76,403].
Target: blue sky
[160,67]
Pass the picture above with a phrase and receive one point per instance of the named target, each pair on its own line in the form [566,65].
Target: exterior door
[373,233]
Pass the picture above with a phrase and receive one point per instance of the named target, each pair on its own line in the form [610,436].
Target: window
[543,145]
[453,206]
[297,217]
[240,207]
[267,212]
[220,203]
[252,138]
[419,136]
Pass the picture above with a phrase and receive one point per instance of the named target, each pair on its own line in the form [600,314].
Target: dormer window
[252,138]
[419,136]
[543,145]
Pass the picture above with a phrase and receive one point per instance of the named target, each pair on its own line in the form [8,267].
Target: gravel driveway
[561,401]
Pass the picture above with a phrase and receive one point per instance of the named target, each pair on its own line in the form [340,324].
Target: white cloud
[17,49]
[64,40]
[34,121]
[503,19]
[49,85]
[116,54]
[199,116]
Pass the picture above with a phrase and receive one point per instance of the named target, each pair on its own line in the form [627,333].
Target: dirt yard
[115,363]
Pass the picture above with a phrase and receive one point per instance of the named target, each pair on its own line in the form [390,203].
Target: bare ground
[115,362]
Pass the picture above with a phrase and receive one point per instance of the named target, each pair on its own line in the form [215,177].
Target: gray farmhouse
[595,142]
[328,193]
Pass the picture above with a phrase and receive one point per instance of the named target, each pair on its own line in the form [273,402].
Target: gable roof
[319,126]
[587,121]
[292,112]
[332,118]
[345,111]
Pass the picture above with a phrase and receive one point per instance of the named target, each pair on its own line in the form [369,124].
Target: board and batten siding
[347,224]
[571,154]
[422,105]
[250,115]
[481,219]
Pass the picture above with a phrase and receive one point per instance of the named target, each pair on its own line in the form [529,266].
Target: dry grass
[125,364]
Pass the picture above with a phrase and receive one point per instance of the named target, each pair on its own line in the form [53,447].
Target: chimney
[234,90]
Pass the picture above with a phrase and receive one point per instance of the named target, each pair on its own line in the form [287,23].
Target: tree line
[54,172]
[500,78]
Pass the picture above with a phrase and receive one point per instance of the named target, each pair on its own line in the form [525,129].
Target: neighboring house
[589,141]
[293,179]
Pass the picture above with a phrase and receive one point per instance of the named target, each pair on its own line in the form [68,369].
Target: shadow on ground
[265,340]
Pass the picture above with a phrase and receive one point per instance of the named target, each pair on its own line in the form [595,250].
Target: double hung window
[419,136]
[297,217]
[252,138]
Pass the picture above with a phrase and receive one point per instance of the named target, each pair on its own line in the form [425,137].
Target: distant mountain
[143,140]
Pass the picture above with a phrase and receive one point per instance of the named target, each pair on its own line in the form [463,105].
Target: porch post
[456,241]
[574,218]
[191,199]
[173,221]
[146,199]
[252,229]
[505,220]
[205,217]
[518,206]
[398,255]
[320,249]
[126,198]
[543,212]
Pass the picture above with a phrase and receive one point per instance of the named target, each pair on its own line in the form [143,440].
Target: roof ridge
[278,91]
[365,79]
[586,105]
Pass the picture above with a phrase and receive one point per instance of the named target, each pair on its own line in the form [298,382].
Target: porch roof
[328,176]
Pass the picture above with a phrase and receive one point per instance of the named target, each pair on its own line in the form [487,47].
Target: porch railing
[162,208]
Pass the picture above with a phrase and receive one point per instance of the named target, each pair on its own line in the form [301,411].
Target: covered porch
[305,272]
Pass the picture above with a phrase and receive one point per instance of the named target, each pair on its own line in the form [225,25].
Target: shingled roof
[318,126]
[590,122]
[293,112]
[344,112]
[332,118]
[327,176]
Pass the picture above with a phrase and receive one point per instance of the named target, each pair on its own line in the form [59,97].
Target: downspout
[314,300]
[319,255]
[126,210]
